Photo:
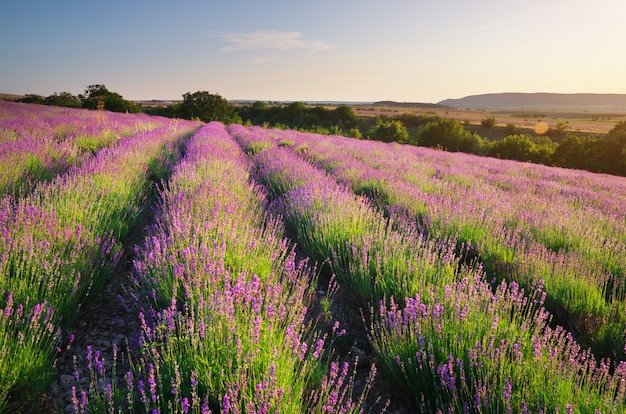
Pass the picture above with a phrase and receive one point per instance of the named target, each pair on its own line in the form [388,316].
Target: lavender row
[451,342]
[367,254]
[476,350]
[227,331]
[38,142]
[60,242]
[526,222]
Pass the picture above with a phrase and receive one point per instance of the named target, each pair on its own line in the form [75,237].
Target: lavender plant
[28,336]
[60,242]
[523,223]
[228,330]
[369,257]
[38,142]
[472,350]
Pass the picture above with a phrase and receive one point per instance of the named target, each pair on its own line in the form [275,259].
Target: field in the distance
[576,122]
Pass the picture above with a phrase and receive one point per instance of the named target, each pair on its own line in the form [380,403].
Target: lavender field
[263,270]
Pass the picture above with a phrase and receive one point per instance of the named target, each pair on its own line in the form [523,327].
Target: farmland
[577,123]
[273,270]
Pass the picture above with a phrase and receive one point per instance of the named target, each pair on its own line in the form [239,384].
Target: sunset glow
[327,50]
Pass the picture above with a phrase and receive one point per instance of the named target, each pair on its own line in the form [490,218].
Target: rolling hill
[590,102]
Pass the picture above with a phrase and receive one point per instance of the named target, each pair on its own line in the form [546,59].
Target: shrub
[510,129]
[524,148]
[451,135]
[207,107]
[488,122]
[99,97]
[389,131]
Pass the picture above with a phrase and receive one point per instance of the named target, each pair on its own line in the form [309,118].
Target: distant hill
[410,104]
[591,102]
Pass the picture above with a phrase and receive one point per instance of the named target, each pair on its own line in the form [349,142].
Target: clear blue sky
[404,50]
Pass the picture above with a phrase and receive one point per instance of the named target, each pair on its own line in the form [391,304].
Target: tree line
[95,97]
[596,153]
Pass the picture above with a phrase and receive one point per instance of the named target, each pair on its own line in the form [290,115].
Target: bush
[207,107]
[558,132]
[413,120]
[524,148]
[488,122]
[33,98]
[573,152]
[64,99]
[451,135]
[389,131]
[99,97]
[510,129]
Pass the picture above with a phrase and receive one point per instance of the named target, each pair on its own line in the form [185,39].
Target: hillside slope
[541,101]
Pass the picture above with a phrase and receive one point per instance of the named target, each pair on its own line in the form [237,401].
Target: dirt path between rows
[108,323]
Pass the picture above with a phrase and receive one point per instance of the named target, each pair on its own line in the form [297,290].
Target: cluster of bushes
[602,154]
[201,106]
[95,97]
[297,115]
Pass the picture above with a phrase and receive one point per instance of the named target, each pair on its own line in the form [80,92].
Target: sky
[323,50]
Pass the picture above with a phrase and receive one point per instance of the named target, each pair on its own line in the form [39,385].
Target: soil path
[108,323]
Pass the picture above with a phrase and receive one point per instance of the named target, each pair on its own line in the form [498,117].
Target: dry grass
[10,97]
[584,122]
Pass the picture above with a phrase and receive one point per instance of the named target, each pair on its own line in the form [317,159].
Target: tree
[451,135]
[345,117]
[557,133]
[63,99]
[612,151]
[413,120]
[389,131]
[99,97]
[576,152]
[618,133]
[296,115]
[94,96]
[512,147]
[207,107]
[524,148]
[488,122]
[510,129]
[33,99]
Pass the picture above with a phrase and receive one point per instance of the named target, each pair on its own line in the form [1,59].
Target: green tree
[63,99]
[99,97]
[510,129]
[344,117]
[33,98]
[512,147]
[389,131]
[256,114]
[576,151]
[557,133]
[451,135]
[488,122]
[612,151]
[94,96]
[413,120]
[297,115]
[524,148]
[207,107]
